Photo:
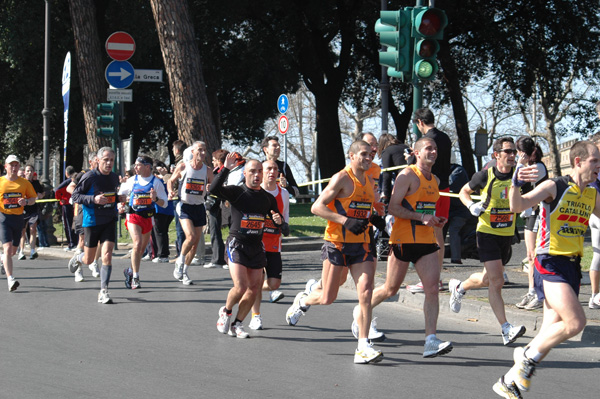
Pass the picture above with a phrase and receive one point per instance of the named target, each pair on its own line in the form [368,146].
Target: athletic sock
[531,291]
[363,343]
[429,337]
[532,354]
[80,257]
[185,267]
[105,271]
[136,275]
[255,314]
[181,258]
[460,289]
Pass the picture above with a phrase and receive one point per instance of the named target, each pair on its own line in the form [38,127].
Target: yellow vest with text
[497,218]
[564,221]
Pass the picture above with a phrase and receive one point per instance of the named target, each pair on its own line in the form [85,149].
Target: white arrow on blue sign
[283,104]
[119,74]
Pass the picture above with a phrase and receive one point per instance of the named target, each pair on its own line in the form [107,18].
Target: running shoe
[160,260]
[211,265]
[178,271]
[295,311]
[237,330]
[416,288]
[275,296]
[224,321]
[22,256]
[311,285]
[523,369]
[506,281]
[436,347]
[256,322]
[455,296]
[103,297]
[226,266]
[594,302]
[186,280]
[128,277]
[196,261]
[374,334]
[367,355]
[535,303]
[507,391]
[12,284]
[147,258]
[135,283]
[79,276]
[94,268]
[74,263]
[525,300]
[34,255]
[511,333]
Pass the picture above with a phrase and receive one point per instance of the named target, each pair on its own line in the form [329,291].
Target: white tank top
[192,186]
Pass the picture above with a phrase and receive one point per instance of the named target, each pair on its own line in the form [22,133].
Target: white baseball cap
[11,159]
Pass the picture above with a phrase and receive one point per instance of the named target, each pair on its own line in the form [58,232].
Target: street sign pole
[282,106]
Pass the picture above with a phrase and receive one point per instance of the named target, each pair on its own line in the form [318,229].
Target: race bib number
[270,227]
[194,186]
[359,210]
[252,224]
[112,199]
[141,201]
[11,200]
[427,208]
[501,218]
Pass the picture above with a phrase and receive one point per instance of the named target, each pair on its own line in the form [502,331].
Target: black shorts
[346,254]
[274,265]
[77,224]
[11,227]
[532,223]
[100,233]
[31,218]
[558,269]
[493,247]
[372,242]
[195,213]
[251,256]
[413,252]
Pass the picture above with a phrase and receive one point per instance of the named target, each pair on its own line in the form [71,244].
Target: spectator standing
[272,149]
[391,152]
[162,219]
[215,216]
[64,197]
[31,215]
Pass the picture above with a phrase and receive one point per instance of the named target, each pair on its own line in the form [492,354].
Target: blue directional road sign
[120,74]
[283,104]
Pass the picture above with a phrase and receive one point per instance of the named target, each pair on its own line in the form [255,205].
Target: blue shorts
[557,269]
[11,227]
[195,213]
[346,254]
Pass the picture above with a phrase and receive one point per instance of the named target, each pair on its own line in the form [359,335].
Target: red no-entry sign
[120,46]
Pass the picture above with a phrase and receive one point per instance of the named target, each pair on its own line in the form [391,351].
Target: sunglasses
[509,151]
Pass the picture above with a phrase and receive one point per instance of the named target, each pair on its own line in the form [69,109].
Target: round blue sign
[283,104]
[120,74]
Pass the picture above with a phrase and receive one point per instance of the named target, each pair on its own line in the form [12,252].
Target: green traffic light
[424,69]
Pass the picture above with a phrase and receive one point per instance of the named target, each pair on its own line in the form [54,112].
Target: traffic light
[108,120]
[394,32]
[427,28]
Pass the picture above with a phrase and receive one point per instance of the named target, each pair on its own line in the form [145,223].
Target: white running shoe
[237,330]
[507,391]
[510,334]
[535,303]
[275,296]
[210,265]
[160,260]
[196,261]
[256,322]
[294,312]
[523,369]
[455,296]
[79,276]
[178,271]
[12,284]
[416,288]
[186,280]
[224,321]
[367,355]
[436,347]
[226,266]
[147,258]
[103,297]
[94,268]
[74,263]
[594,302]
[374,334]
[525,300]
[21,256]
[311,285]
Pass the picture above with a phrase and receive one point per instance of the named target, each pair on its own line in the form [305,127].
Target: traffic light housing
[107,120]
[394,28]
[427,28]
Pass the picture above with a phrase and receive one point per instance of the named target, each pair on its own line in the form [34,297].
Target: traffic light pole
[417,103]
[384,87]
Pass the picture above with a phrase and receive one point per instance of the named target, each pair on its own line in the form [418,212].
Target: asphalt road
[161,341]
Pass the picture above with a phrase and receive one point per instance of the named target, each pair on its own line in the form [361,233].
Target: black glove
[377,221]
[285,229]
[356,226]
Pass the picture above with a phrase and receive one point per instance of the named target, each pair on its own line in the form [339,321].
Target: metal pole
[46,110]
[384,87]
[417,103]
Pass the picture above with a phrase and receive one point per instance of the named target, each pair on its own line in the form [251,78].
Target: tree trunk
[553,152]
[330,151]
[191,111]
[89,65]
[458,108]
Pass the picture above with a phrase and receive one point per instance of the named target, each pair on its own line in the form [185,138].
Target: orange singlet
[406,231]
[358,205]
